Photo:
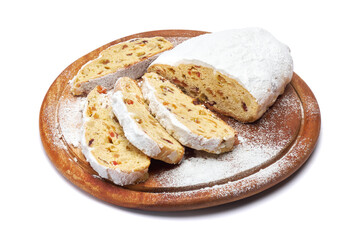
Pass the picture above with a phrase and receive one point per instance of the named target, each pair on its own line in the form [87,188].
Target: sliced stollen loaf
[184,118]
[239,73]
[140,127]
[104,145]
[130,58]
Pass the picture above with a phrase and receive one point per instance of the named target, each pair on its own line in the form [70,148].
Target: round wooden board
[291,127]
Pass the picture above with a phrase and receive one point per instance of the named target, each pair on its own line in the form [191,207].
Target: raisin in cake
[130,58]
[139,126]
[187,121]
[239,73]
[104,145]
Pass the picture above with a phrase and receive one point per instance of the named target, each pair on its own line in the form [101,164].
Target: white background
[41,38]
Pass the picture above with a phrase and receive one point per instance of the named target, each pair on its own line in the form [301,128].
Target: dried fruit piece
[179,83]
[211,103]
[196,101]
[167,140]
[194,90]
[202,112]
[128,101]
[244,106]
[197,120]
[101,90]
[203,97]
[105,61]
[139,54]
[168,89]
[221,79]
[220,92]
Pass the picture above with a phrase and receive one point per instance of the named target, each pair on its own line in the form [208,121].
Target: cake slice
[130,58]
[105,146]
[184,118]
[239,73]
[139,126]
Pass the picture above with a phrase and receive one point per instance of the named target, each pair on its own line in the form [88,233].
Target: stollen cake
[140,127]
[239,73]
[105,146]
[130,58]
[184,118]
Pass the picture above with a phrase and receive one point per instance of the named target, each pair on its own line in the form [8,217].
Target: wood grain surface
[301,125]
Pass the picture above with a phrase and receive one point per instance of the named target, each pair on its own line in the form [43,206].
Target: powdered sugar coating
[252,56]
[182,133]
[132,131]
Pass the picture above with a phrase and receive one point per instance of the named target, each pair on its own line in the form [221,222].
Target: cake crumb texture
[105,145]
[116,59]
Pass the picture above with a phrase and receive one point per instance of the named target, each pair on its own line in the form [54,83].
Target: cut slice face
[217,91]
[184,118]
[130,58]
[140,127]
[105,146]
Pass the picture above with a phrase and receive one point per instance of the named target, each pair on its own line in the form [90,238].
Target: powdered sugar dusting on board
[257,180]
[70,118]
[54,133]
